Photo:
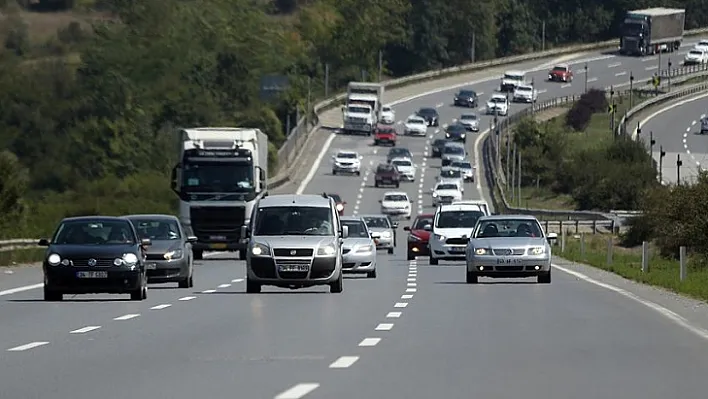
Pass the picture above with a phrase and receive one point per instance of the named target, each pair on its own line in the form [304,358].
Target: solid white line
[160,307]
[208,291]
[237,280]
[298,391]
[662,110]
[400,304]
[224,286]
[411,289]
[393,315]
[407,296]
[344,362]
[29,346]
[384,327]
[21,289]
[127,316]
[676,318]
[187,298]
[370,342]
[84,330]
[316,165]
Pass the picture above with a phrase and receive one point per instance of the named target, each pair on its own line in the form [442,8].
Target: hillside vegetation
[88,108]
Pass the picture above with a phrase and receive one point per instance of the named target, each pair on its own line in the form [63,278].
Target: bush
[581,112]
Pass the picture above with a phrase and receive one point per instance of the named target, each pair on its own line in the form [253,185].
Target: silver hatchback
[359,248]
[507,246]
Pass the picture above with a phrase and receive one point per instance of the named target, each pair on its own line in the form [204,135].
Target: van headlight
[481,251]
[327,250]
[439,237]
[260,250]
[537,250]
[386,234]
[54,259]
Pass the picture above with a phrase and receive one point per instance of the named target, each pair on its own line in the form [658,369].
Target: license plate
[217,238]
[293,268]
[457,250]
[217,246]
[508,261]
[92,274]
[151,266]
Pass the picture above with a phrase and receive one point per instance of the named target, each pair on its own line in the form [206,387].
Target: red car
[340,203]
[561,73]
[385,134]
[419,234]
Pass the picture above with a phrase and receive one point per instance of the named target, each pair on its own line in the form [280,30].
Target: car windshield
[462,165]
[447,186]
[395,197]
[439,142]
[559,69]
[469,117]
[157,229]
[497,100]
[399,153]
[415,121]
[508,228]
[387,130]
[402,162]
[455,150]
[427,111]
[385,169]
[467,93]
[94,232]
[450,173]
[294,220]
[509,76]
[377,221]
[455,129]
[524,88]
[457,219]
[421,222]
[335,197]
[357,229]
[695,52]
[386,109]
[346,155]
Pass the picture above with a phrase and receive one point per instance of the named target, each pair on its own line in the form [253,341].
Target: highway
[676,127]
[417,331]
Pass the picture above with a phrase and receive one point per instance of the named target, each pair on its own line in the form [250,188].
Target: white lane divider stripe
[384,327]
[412,284]
[298,391]
[29,346]
[407,296]
[344,362]
[224,286]
[393,315]
[187,298]
[85,330]
[160,307]
[208,291]
[411,289]
[370,342]
[412,279]
[400,305]
[237,280]
[21,289]
[127,316]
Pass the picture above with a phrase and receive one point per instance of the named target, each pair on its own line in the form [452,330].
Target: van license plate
[293,268]
[92,274]
[217,246]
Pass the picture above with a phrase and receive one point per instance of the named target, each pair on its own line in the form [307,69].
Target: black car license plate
[293,268]
[508,261]
[92,274]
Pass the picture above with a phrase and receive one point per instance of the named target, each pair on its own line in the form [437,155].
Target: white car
[702,45]
[469,121]
[396,203]
[415,126]
[446,193]
[452,228]
[406,168]
[347,162]
[511,79]
[525,94]
[388,115]
[482,204]
[498,104]
[465,167]
[696,56]
[448,174]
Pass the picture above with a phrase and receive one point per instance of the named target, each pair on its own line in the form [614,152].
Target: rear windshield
[454,150]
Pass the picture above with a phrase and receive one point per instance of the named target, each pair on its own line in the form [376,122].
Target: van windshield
[294,221]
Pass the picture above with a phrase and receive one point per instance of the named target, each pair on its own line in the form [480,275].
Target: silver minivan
[294,241]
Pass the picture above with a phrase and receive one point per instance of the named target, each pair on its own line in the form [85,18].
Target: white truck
[362,110]
[220,175]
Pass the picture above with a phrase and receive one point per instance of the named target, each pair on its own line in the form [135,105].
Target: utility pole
[380,64]
[662,154]
[631,92]
[543,36]
[513,175]
[668,75]
[679,163]
[508,157]
[533,94]
[586,77]
[309,99]
[473,47]
[519,179]
[326,82]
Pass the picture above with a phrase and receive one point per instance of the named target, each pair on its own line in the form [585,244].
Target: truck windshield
[358,110]
[632,29]
[217,177]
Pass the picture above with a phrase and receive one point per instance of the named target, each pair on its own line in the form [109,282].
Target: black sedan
[430,115]
[456,132]
[466,98]
[95,254]
[437,147]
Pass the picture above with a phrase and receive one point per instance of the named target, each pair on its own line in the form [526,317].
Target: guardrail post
[645,257]
[682,263]
[546,224]
[609,251]
[562,231]
[594,226]
[577,226]
[582,246]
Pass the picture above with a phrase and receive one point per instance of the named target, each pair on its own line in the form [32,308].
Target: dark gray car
[169,258]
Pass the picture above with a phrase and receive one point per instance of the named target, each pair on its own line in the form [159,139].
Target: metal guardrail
[19,243]
[291,150]
[578,226]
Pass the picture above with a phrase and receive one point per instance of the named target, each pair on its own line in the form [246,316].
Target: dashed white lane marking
[127,316]
[410,279]
[411,289]
[615,65]
[344,362]
[384,327]
[592,80]
[400,305]
[652,67]
[187,298]
[412,284]
[224,286]
[693,123]
[407,296]
[566,85]
[370,342]
[29,346]
[208,291]
[160,307]
[21,289]
[439,105]
[676,318]
[649,59]
[393,315]
[85,330]
[298,391]
[621,73]
[237,280]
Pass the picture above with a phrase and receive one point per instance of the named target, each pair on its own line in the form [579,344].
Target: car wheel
[432,261]
[137,295]
[472,278]
[544,278]
[398,184]
[371,274]
[242,254]
[390,251]
[198,255]
[411,256]
[252,287]
[376,184]
[337,286]
[334,172]
[184,283]
[358,173]
[52,296]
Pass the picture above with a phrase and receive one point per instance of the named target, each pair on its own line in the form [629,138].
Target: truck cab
[652,30]
[362,111]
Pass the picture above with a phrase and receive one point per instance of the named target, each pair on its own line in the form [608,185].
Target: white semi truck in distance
[362,110]
[220,175]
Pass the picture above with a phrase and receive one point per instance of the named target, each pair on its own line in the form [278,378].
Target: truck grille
[217,221]
[305,252]
[357,120]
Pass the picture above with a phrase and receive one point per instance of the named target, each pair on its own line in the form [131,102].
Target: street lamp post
[586,77]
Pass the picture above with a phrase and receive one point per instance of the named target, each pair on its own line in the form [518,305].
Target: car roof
[317,201]
[498,95]
[454,144]
[374,215]
[458,207]
[508,217]
[467,91]
[152,216]
[561,66]
[524,86]
[95,218]
[514,73]
[351,219]
[395,193]
[427,109]
[425,215]
[342,152]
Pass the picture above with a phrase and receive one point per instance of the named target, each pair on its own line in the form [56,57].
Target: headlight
[435,195]
[130,259]
[413,238]
[480,251]
[367,248]
[54,259]
[340,207]
[439,237]
[537,250]
[260,250]
[326,251]
[550,76]
[176,254]
[462,135]
[456,98]
[386,234]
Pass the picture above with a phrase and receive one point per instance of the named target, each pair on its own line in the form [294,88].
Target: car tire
[390,251]
[432,261]
[411,256]
[242,254]
[376,184]
[371,274]
[334,172]
[184,283]
[198,254]
[544,278]
[252,287]
[337,286]
[52,296]
[358,173]
[398,184]
[471,278]
[393,144]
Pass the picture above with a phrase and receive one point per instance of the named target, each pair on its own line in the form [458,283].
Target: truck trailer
[362,110]
[652,30]
[221,174]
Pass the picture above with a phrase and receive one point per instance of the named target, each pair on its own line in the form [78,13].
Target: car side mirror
[192,239]
[428,227]
[145,242]
[244,231]
[552,236]
[375,235]
[345,231]
[43,242]
[407,228]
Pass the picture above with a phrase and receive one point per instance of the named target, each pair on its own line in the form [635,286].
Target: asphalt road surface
[417,331]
